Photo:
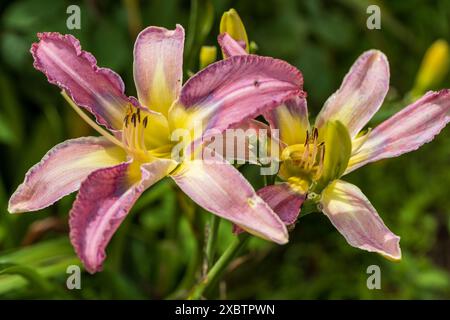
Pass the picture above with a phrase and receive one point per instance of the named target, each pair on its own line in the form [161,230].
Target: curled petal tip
[393,251]
[99,90]
[282,238]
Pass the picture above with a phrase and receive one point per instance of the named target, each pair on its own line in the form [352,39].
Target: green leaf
[35,265]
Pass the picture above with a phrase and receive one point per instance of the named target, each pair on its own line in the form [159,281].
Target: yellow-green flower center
[133,137]
[303,163]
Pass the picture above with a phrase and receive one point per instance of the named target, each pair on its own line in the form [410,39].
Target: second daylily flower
[112,171]
[313,159]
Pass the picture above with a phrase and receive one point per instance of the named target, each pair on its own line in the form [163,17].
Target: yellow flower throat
[303,163]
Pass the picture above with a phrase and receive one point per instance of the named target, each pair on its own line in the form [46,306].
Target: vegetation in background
[158,249]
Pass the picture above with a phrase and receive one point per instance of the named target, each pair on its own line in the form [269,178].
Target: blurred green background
[158,249]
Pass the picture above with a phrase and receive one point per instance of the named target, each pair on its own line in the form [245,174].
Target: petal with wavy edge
[99,90]
[103,202]
[233,90]
[62,170]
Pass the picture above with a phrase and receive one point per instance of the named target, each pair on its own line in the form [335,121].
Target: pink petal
[405,131]
[361,93]
[357,220]
[284,201]
[239,88]
[230,47]
[219,188]
[291,119]
[104,200]
[158,66]
[62,170]
[99,90]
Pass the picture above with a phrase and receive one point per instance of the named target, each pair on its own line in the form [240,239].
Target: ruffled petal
[104,200]
[98,90]
[232,90]
[62,170]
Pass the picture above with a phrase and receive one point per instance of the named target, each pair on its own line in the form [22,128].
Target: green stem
[308,207]
[219,267]
[212,240]
[192,29]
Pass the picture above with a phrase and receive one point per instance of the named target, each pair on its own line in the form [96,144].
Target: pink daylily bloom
[314,159]
[113,170]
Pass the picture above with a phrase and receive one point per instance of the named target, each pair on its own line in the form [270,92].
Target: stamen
[138,112]
[134,136]
[305,156]
[314,152]
[321,161]
[94,125]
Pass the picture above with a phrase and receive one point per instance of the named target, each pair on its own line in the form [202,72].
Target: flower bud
[434,67]
[208,55]
[232,24]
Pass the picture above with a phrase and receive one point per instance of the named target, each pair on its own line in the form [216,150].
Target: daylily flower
[113,170]
[314,158]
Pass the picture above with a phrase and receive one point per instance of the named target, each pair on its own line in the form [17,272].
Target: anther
[125,120]
[133,119]
[316,134]
[145,121]
[307,137]
[138,112]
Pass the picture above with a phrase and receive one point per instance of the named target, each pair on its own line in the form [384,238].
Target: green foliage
[158,250]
